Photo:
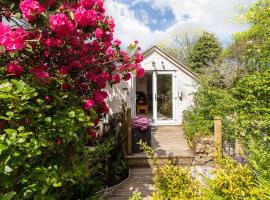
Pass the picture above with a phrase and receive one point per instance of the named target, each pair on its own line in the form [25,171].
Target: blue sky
[152,17]
[155,21]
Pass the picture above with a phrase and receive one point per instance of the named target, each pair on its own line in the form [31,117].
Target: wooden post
[129,134]
[218,135]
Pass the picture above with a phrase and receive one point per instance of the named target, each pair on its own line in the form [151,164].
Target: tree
[180,46]
[255,40]
[205,52]
[56,59]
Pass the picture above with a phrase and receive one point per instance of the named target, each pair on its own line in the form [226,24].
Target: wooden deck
[140,180]
[168,142]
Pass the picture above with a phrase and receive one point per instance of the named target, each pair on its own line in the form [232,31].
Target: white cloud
[128,28]
[213,15]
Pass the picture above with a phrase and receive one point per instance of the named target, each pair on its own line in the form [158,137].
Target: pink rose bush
[12,40]
[14,69]
[61,25]
[62,53]
[31,9]
[57,60]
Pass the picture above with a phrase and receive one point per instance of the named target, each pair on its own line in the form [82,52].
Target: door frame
[154,94]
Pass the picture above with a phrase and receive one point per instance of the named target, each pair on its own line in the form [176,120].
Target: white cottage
[162,95]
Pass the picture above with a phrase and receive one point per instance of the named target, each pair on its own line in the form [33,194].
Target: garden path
[168,142]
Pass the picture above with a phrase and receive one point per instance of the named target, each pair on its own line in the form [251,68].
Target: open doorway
[144,95]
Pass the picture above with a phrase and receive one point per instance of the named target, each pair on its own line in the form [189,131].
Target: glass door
[163,94]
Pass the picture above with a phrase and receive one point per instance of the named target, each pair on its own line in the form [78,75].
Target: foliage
[170,181]
[209,102]
[57,58]
[136,196]
[254,43]
[230,180]
[204,52]
[180,46]
[253,94]
[174,182]
[234,181]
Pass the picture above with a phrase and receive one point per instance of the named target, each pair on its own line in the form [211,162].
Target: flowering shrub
[57,58]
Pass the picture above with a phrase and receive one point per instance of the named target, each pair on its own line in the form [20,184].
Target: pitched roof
[170,59]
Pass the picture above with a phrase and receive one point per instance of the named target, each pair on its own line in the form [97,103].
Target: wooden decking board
[167,142]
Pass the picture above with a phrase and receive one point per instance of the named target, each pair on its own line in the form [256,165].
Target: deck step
[143,161]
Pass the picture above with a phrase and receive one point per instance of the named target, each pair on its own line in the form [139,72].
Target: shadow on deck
[168,143]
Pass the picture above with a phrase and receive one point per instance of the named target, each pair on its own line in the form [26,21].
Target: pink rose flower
[12,40]
[52,42]
[51,3]
[110,23]
[99,4]
[89,103]
[4,29]
[116,78]
[64,70]
[98,33]
[117,42]
[65,86]
[100,96]
[30,9]
[87,3]
[140,72]
[85,17]
[41,74]
[14,69]
[103,108]
[105,76]
[92,133]
[127,77]
[47,98]
[61,25]
[139,58]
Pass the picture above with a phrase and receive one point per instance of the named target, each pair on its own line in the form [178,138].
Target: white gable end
[184,85]
[156,62]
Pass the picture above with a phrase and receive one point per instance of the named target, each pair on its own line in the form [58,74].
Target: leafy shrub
[234,181]
[231,180]
[209,102]
[253,94]
[136,196]
[174,182]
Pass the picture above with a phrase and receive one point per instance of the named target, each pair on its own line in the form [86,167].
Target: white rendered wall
[184,83]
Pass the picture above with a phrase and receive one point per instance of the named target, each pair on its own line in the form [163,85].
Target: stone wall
[205,149]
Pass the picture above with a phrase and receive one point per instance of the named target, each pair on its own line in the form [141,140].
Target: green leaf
[45,189]
[3,148]
[10,114]
[8,196]
[71,114]
[8,169]
[57,184]
[7,96]
[21,128]
[12,133]
[48,119]
[17,15]
[2,137]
